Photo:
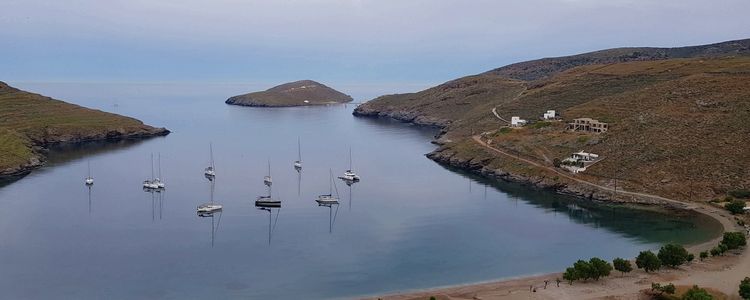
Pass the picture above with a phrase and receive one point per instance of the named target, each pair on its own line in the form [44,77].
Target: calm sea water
[409,224]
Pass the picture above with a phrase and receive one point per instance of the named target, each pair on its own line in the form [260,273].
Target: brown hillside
[679,127]
[29,122]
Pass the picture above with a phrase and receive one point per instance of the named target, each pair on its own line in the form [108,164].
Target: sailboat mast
[330,182]
[159,165]
[152,166]
[88,163]
[211,151]
[299,150]
[350,158]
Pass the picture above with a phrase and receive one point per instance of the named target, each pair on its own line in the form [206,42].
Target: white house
[584,156]
[549,115]
[517,122]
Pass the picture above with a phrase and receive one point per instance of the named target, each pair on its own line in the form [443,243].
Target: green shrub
[673,255]
[745,288]
[622,265]
[736,207]
[704,255]
[648,261]
[696,293]
[733,240]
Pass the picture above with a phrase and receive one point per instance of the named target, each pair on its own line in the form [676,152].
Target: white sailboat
[267,201]
[349,174]
[267,179]
[298,162]
[210,207]
[89,180]
[150,183]
[328,199]
[210,171]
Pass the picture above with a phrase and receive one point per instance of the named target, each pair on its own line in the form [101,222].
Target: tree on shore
[583,269]
[736,207]
[570,275]
[745,288]
[673,255]
[733,240]
[599,268]
[704,255]
[648,261]
[696,293]
[622,265]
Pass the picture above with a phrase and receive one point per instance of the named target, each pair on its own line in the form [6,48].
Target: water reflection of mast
[331,215]
[89,193]
[271,225]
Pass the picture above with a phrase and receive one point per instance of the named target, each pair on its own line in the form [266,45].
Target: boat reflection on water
[271,219]
[331,214]
[157,202]
[215,217]
[88,187]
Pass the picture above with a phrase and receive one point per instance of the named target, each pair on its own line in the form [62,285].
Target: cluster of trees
[595,268]
[730,241]
[671,255]
[736,206]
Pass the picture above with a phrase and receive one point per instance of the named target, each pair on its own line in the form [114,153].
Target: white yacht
[349,174]
[210,171]
[210,207]
[329,198]
[89,180]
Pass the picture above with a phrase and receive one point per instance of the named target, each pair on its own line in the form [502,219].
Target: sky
[364,42]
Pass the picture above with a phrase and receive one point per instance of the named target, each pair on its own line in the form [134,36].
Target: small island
[30,123]
[297,93]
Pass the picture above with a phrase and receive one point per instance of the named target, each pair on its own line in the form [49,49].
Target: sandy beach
[719,274]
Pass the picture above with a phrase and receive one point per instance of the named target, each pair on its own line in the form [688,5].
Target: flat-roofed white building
[549,115]
[517,122]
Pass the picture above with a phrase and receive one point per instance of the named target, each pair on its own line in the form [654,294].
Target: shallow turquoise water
[409,224]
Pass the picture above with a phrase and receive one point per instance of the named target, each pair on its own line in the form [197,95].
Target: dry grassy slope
[292,94]
[445,103]
[679,128]
[29,120]
[454,101]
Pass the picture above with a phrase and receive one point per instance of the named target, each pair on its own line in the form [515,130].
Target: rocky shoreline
[404,116]
[41,147]
[447,156]
[450,158]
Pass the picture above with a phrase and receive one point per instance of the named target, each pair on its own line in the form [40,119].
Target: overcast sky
[345,42]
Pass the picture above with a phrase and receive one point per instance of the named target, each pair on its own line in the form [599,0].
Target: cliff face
[30,122]
[298,93]
[677,125]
